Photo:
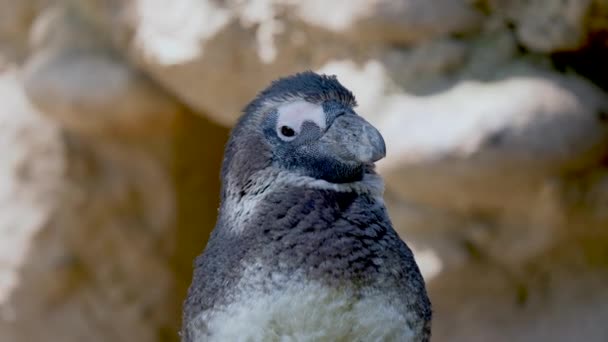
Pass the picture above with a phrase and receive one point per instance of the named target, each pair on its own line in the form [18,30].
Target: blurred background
[113,116]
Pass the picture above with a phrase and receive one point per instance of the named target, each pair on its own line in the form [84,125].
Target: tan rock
[218,67]
[16,18]
[386,21]
[496,170]
[88,88]
[549,26]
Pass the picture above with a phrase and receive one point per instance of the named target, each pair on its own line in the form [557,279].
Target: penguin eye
[287,131]
[291,117]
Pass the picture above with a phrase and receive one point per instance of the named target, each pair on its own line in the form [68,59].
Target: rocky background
[113,115]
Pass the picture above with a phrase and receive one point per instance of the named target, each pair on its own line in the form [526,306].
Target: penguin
[303,248]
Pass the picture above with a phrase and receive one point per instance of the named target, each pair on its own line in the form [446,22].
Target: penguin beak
[352,139]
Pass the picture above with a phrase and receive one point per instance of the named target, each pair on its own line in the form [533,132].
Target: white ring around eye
[294,114]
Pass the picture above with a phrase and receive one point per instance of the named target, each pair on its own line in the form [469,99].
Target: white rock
[32,166]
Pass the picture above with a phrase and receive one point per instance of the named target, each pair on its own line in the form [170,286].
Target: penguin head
[304,124]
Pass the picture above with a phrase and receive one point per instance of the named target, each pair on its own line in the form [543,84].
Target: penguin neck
[238,205]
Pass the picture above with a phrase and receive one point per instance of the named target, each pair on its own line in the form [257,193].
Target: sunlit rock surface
[113,116]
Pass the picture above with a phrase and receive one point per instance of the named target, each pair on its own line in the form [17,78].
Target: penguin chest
[309,312]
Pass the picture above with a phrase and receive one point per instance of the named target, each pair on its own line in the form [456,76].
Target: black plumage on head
[307,85]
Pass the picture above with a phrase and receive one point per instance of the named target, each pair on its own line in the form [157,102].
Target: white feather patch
[294,114]
[304,311]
